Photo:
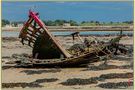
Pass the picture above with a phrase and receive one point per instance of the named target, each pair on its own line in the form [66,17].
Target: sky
[78,11]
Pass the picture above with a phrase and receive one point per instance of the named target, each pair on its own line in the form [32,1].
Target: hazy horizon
[77,11]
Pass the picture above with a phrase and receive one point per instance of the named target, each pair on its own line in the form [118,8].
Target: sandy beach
[115,75]
[67,45]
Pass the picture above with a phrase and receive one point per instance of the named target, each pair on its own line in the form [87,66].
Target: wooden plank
[22,32]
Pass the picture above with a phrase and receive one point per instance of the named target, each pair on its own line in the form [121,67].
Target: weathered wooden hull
[49,47]
[79,60]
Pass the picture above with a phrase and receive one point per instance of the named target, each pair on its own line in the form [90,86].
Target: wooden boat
[49,52]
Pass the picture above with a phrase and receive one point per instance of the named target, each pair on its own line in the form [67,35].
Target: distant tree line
[5,22]
[60,22]
[71,22]
[14,23]
[97,23]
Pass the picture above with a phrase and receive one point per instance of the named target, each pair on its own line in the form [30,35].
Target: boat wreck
[48,51]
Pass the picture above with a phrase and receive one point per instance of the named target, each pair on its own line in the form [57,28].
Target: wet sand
[53,78]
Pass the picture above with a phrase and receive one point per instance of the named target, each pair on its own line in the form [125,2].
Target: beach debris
[6,67]
[117,85]
[116,75]
[23,85]
[34,84]
[79,81]
[23,55]
[9,39]
[17,58]
[122,58]
[94,80]
[31,72]
[106,67]
[77,48]
[38,81]
[6,57]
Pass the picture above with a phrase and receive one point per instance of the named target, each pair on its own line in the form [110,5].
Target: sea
[99,33]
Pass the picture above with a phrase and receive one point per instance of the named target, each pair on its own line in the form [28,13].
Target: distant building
[8,25]
[20,25]
[66,24]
